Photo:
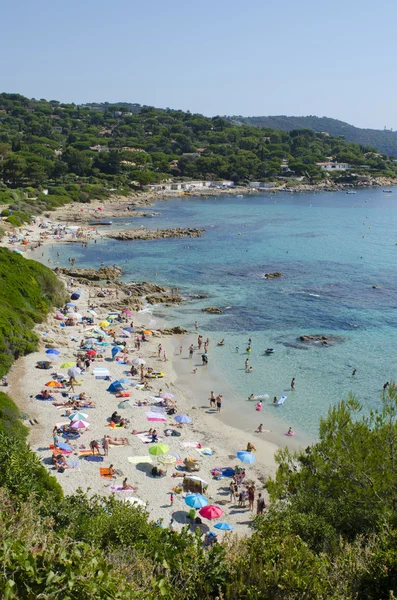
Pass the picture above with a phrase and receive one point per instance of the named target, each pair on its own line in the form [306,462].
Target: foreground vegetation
[329,533]
[53,153]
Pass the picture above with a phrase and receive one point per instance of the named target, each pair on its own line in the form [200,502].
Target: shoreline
[208,428]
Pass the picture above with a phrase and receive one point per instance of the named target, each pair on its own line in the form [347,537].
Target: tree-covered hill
[83,152]
[385,141]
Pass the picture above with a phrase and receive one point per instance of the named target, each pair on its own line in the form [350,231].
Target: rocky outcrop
[164,299]
[212,310]
[177,330]
[320,340]
[143,288]
[154,234]
[198,296]
[101,274]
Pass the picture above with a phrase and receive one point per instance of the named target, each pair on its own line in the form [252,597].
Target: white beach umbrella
[74,371]
[135,501]
[138,361]
[76,316]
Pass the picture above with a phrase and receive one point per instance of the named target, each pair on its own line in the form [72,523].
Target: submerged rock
[273,275]
[177,330]
[320,339]
[212,310]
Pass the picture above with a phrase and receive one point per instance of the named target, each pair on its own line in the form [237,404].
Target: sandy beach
[185,378]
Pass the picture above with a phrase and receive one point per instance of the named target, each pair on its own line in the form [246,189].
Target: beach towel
[85,452]
[105,472]
[119,488]
[204,451]
[191,444]
[95,458]
[134,460]
[144,437]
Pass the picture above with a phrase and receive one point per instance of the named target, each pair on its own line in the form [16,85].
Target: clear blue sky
[252,57]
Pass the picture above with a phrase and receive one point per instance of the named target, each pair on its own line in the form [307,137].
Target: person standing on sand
[293,383]
[219,402]
[200,341]
[105,445]
[171,498]
[260,505]
[246,364]
[251,497]
[232,488]
[180,349]
[212,400]
[159,349]
[191,351]
[94,446]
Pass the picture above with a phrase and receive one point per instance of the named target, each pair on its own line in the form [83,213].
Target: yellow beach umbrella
[67,365]
[104,323]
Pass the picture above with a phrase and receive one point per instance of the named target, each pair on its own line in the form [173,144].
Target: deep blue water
[332,249]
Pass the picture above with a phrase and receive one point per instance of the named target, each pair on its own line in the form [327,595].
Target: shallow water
[332,249]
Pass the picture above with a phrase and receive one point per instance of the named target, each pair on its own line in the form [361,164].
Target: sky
[250,58]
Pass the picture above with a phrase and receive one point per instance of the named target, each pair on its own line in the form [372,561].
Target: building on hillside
[261,185]
[57,129]
[333,166]
[132,149]
[99,148]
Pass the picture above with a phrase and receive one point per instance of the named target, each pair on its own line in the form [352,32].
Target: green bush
[14,220]
[5,212]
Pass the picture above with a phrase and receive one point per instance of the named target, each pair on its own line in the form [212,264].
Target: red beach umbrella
[91,353]
[211,512]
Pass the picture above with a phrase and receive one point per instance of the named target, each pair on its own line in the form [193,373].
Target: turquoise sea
[332,249]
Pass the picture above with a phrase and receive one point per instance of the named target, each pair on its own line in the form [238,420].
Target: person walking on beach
[191,351]
[293,383]
[171,498]
[159,349]
[105,445]
[212,400]
[180,349]
[232,488]
[251,497]
[200,341]
[219,402]
[246,364]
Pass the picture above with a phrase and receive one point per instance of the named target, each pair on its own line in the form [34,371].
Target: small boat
[269,351]
[387,191]
[351,192]
[240,196]
[96,223]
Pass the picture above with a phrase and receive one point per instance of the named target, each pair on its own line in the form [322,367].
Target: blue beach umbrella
[246,457]
[183,419]
[196,500]
[52,351]
[115,387]
[115,350]
[224,526]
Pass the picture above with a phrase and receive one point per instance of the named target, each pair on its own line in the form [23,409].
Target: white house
[333,166]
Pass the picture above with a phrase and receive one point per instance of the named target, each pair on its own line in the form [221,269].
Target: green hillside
[77,153]
[385,141]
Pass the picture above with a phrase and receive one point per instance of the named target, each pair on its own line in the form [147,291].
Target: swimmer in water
[354,372]
[237,349]
[252,397]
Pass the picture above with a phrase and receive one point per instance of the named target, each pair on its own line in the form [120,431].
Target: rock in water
[212,310]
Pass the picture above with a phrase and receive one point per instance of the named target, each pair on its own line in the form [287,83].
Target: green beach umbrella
[158,449]
[67,365]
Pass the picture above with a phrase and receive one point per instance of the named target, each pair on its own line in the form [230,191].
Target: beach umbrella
[104,323]
[167,395]
[211,512]
[91,353]
[138,361]
[125,404]
[246,457]
[126,333]
[129,329]
[115,350]
[127,312]
[115,387]
[80,424]
[166,459]
[147,332]
[78,416]
[65,447]
[54,384]
[135,501]
[183,419]
[158,449]
[196,500]
[74,371]
[67,365]
[112,317]
[53,351]
[155,416]
[75,316]
[60,317]
[224,526]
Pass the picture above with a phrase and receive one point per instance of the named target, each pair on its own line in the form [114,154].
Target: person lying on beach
[60,462]
[117,441]
[126,486]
